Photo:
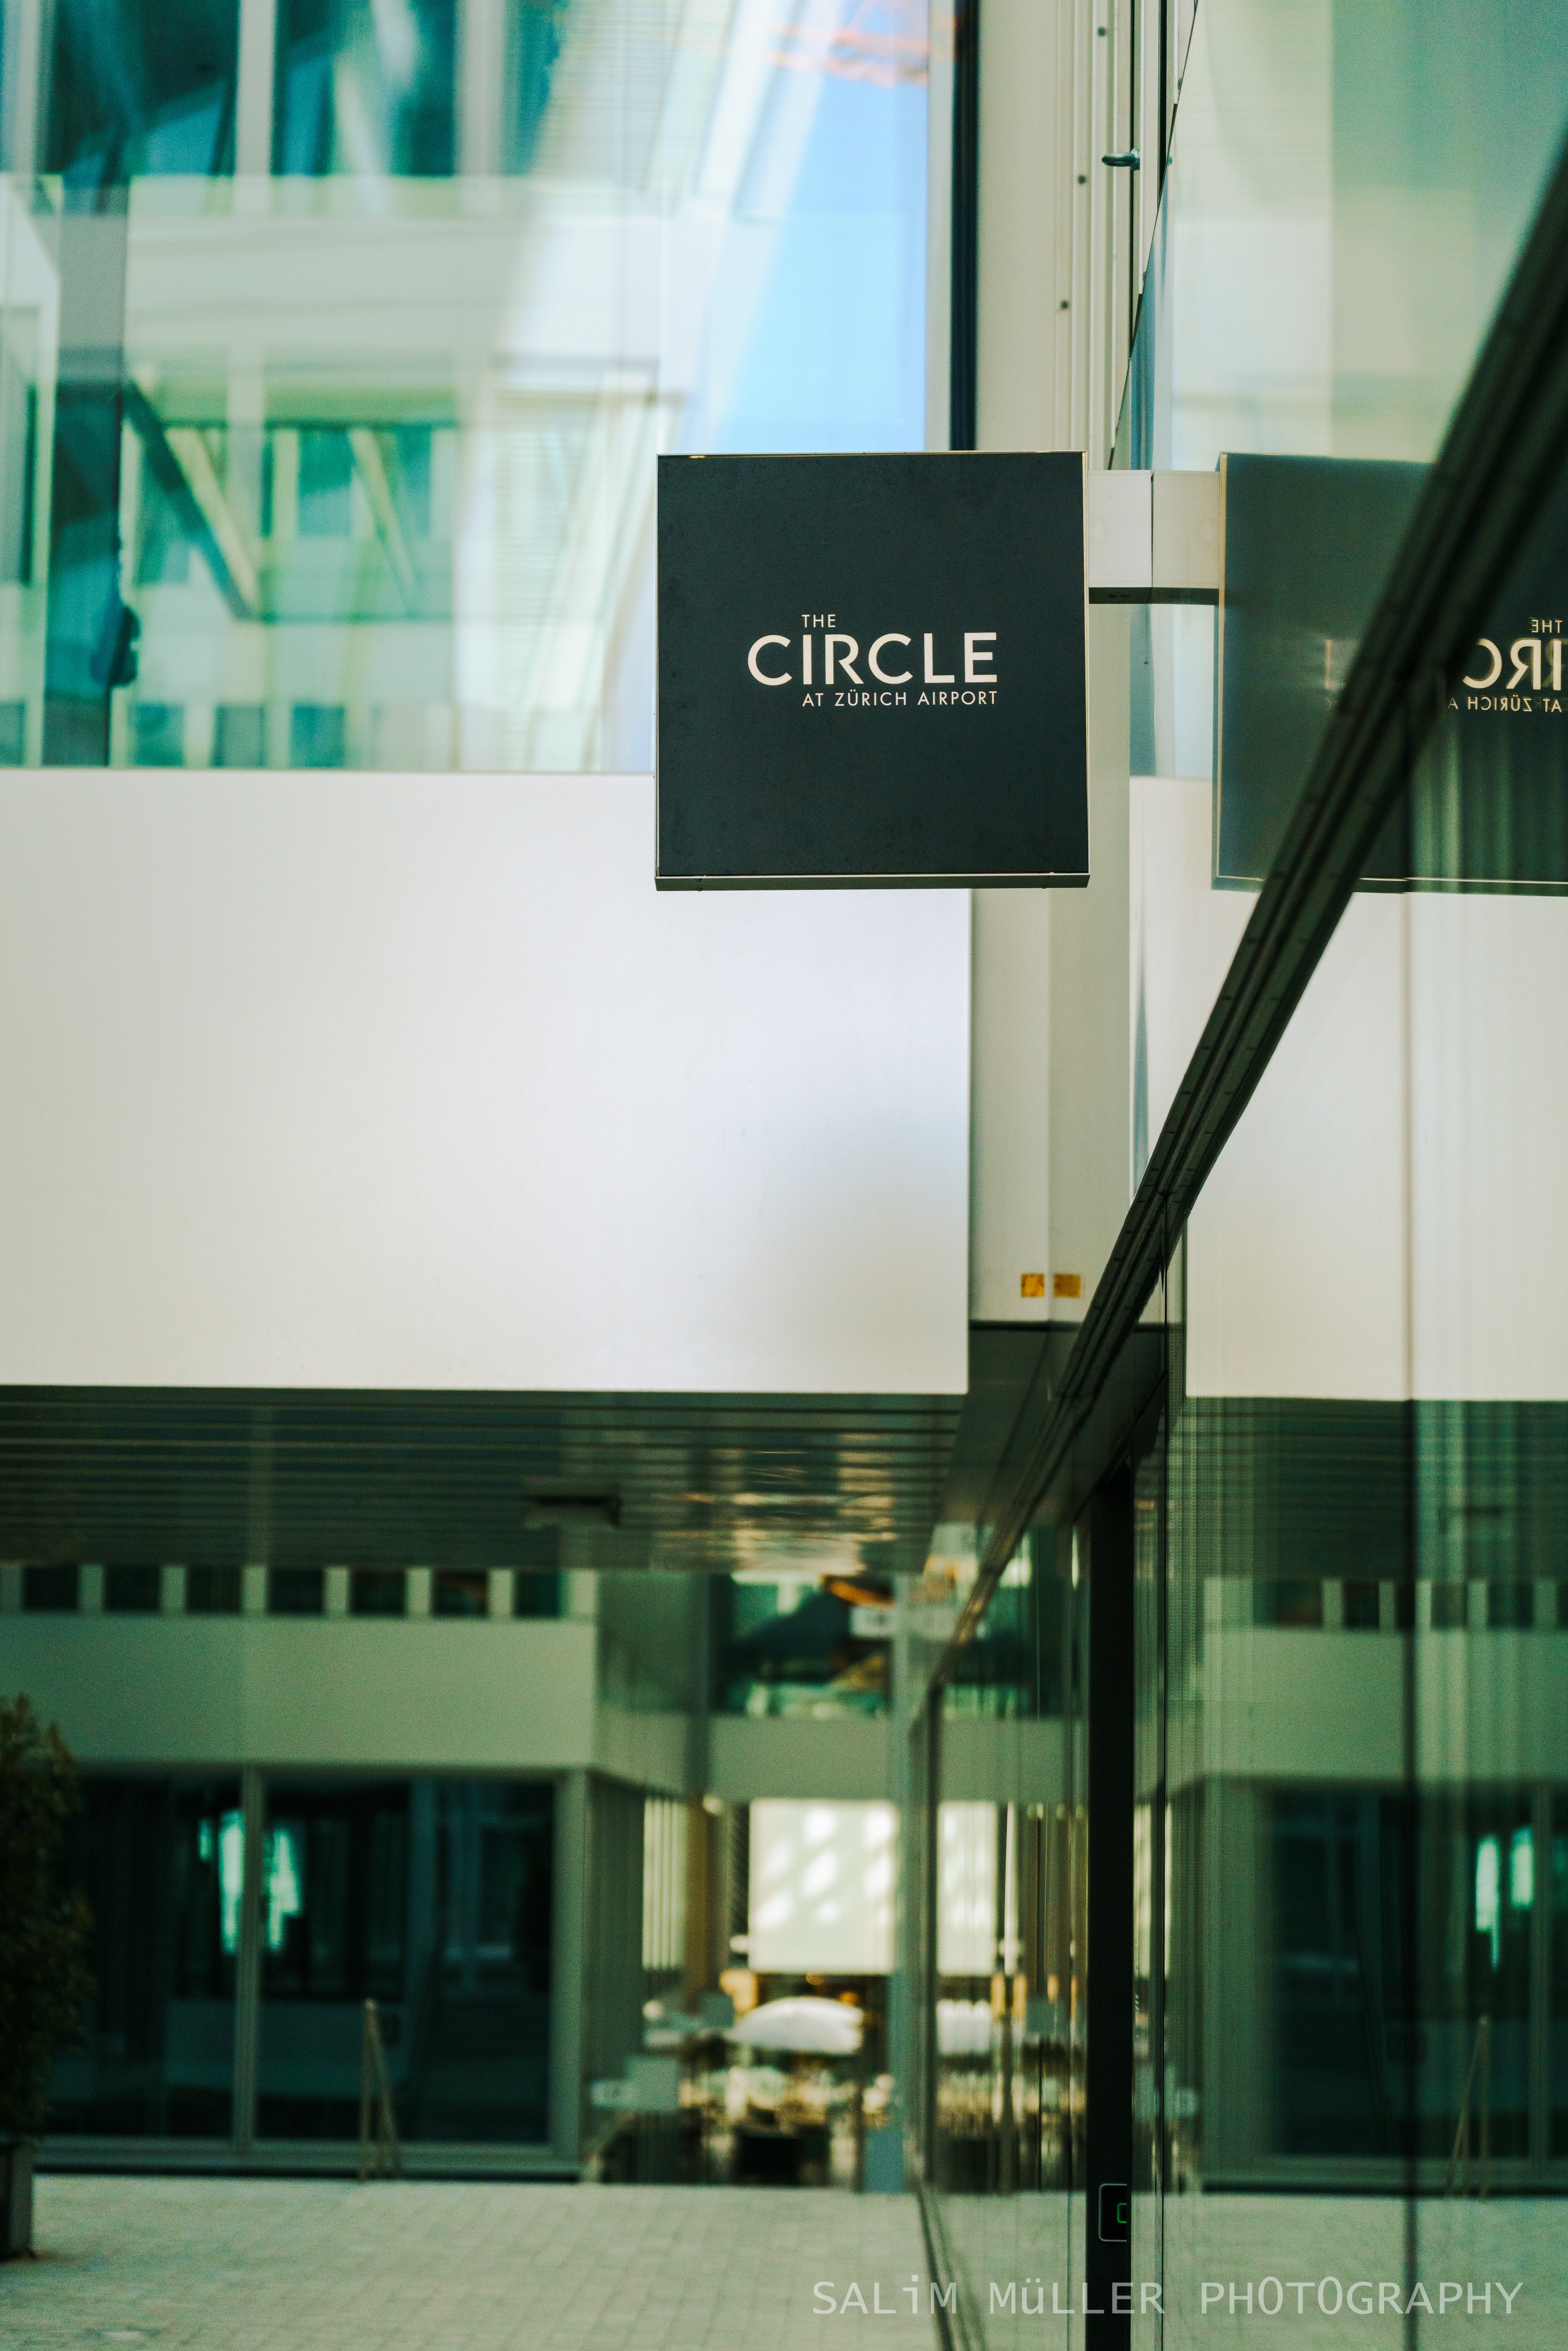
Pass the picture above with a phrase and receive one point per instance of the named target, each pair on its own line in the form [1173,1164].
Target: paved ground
[291,2265]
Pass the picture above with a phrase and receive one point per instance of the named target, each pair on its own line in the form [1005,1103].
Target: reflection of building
[336,347]
[1243,1851]
[379,492]
[505,1375]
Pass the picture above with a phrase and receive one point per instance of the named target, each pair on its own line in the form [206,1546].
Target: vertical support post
[365,2089]
[24,87]
[569,1941]
[965,228]
[254,98]
[247,1973]
[1541,1980]
[1109,2072]
[938,225]
[1486,2107]
[91,633]
[481,87]
[905,1925]
[1007,1960]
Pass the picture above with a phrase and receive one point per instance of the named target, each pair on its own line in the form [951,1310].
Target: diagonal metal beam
[178,459]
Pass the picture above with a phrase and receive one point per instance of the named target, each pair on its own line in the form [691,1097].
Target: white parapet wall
[379,1080]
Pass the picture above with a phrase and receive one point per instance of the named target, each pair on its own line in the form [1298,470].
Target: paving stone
[314,2265]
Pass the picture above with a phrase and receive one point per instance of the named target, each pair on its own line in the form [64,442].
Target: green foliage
[44,1930]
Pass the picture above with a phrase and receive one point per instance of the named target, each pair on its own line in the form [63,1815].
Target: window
[132,1591]
[536,1594]
[1510,1605]
[460,1592]
[316,734]
[51,1589]
[161,1863]
[378,1592]
[1448,1608]
[160,734]
[433,1898]
[295,1592]
[1361,1607]
[1290,1600]
[239,735]
[213,1591]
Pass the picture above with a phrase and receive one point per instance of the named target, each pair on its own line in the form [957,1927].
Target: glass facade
[432,1899]
[1243,1871]
[1224,1958]
[336,344]
[163,1864]
[812,1647]
[432,1896]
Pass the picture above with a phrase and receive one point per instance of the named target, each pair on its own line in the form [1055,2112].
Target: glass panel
[799,1643]
[378,1592]
[432,1899]
[213,1591]
[460,1592]
[135,1590]
[51,1588]
[163,1865]
[1348,188]
[1362,1966]
[334,1930]
[535,1592]
[296,1591]
[330,403]
[1005,1919]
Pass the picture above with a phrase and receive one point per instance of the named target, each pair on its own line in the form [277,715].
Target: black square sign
[871,671]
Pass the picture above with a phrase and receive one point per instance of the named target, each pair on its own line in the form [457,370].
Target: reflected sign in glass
[1308,544]
[871,670]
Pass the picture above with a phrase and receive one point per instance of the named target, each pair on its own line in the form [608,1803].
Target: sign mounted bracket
[1155,537]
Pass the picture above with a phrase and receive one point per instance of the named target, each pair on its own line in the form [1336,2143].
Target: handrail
[1480,2055]
[381,2151]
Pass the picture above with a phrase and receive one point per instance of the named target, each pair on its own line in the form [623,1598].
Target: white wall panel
[1387,1219]
[414,1080]
[312,1693]
[1489,993]
[1185,931]
[823,1878]
[1296,1259]
[1010,1143]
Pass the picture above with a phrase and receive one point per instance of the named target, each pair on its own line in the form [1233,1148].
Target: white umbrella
[830,2028]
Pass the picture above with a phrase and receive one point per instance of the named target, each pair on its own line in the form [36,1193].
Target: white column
[569,1917]
[1090,1137]
[481,85]
[253,103]
[24,81]
[247,1972]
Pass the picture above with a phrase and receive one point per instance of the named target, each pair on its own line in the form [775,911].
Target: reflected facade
[1190,1840]
[337,345]
[1242,1959]
[163,1865]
